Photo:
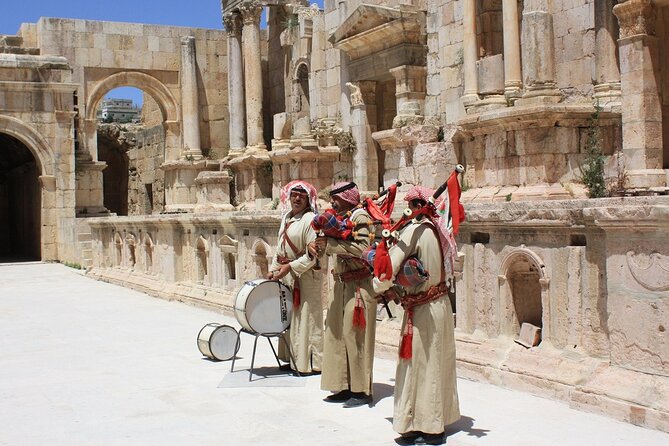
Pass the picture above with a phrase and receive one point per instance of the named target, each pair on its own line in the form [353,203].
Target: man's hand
[321,243]
[313,250]
[282,272]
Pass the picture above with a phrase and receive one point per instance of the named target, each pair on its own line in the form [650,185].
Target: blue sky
[196,13]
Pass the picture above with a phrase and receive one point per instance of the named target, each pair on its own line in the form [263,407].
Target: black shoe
[338,397]
[424,438]
[358,400]
[285,367]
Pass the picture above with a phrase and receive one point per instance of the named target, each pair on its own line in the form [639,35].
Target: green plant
[592,172]
[508,197]
[440,134]
[291,21]
[267,168]
[72,265]
[275,203]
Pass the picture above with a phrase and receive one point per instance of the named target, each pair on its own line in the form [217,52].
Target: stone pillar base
[645,178]
[180,187]
[253,177]
[89,193]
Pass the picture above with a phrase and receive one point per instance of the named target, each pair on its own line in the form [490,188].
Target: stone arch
[37,145]
[523,292]
[301,89]
[262,257]
[168,105]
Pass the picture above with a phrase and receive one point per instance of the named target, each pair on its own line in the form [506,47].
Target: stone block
[530,335]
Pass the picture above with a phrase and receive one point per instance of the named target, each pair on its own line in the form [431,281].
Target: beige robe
[426,396]
[306,324]
[348,355]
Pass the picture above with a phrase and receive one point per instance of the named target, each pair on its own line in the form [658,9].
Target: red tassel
[407,338]
[359,312]
[383,266]
[296,295]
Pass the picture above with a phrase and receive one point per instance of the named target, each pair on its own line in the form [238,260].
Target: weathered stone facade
[379,92]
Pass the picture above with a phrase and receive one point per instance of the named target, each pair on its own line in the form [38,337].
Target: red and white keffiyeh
[299,184]
[351,194]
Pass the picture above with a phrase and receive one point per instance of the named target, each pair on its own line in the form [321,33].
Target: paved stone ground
[88,363]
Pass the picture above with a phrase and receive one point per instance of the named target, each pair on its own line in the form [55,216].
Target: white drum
[264,306]
[218,341]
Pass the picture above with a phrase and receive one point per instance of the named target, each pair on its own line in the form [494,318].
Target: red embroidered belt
[433,293]
[352,276]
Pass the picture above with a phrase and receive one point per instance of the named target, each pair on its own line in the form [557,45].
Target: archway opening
[523,277]
[20,202]
[131,139]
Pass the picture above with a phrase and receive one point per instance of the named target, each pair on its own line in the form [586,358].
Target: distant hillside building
[118,110]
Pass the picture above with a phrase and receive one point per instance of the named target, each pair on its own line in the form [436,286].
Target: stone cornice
[33,62]
[37,86]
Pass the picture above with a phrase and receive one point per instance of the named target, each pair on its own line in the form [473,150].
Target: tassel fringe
[296,295]
[359,312]
[407,338]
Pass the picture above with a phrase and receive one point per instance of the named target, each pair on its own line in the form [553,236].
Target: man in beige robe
[294,266]
[426,397]
[348,355]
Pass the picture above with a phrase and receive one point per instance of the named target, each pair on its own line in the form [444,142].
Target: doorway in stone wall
[20,202]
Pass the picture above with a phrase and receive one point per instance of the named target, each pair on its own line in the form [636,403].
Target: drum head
[268,307]
[224,343]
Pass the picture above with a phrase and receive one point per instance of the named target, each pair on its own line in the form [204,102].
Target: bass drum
[264,306]
[216,341]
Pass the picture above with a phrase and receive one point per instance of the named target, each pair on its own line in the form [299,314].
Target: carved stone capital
[636,17]
[233,24]
[251,11]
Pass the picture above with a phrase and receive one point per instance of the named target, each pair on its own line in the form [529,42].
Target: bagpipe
[342,227]
[433,210]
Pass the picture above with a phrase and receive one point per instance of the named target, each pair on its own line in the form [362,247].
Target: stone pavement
[88,363]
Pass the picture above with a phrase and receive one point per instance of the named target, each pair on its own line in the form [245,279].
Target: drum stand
[281,335]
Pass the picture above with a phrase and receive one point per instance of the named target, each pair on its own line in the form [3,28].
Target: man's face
[414,205]
[339,204]
[299,201]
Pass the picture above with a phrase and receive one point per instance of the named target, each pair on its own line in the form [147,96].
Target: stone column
[512,74]
[233,25]
[251,11]
[410,88]
[363,123]
[190,113]
[539,59]
[607,73]
[470,53]
[641,100]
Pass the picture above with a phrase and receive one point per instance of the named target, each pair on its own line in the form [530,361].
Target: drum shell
[211,333]
[264,306]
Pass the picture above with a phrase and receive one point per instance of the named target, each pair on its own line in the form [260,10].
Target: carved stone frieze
[652,272]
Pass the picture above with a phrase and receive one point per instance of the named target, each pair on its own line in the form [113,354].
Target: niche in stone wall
[148,253]
[261,257]
[522,288]
[131,247]
[201,255]
[228,247]
[118,250]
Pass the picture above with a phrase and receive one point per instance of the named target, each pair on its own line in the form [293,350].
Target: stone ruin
[556,293]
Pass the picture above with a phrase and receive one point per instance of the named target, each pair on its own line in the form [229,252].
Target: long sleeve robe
[306,325]
[426,396]
[348,354]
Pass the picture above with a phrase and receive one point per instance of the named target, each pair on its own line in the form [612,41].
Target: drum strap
[286,240]
[296,283]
